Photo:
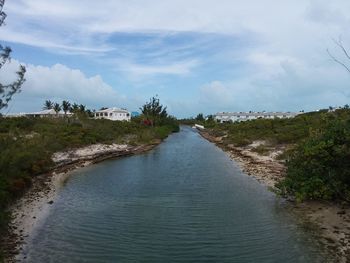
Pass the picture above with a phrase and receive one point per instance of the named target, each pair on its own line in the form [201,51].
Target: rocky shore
[31,210]
[329,222]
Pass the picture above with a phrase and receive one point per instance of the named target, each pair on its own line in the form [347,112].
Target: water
[185,201]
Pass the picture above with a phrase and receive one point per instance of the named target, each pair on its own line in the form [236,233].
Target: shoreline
[30,210]
[330,220]
[264,169]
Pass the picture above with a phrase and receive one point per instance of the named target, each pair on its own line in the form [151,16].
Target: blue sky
[197,56]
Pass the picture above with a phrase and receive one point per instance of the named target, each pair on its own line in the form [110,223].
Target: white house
[113,114]
[245,116]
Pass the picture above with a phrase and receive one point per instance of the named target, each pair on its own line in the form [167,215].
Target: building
[113,114]
[135,114]
[41,114]
[223,117]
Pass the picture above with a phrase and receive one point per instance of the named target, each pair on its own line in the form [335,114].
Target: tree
[8,90]
[66,106]
[75,107]
[340,45]
[200,117]
[82,108]
[90,113]
[154,111]
[48,105]
[57,108]
[210,118]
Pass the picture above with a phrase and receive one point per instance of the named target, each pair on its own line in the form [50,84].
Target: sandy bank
[29,212]
[330,222]
[264,168]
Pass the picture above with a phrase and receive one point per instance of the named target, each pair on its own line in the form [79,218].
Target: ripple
[183,202]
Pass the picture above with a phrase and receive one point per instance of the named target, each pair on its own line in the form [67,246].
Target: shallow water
[185,201]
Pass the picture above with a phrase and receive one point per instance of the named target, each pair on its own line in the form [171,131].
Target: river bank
[329,222]
[30,211]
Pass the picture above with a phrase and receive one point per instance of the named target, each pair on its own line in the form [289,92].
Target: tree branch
[338,61]
[5,53]
[340,44]
[7,91]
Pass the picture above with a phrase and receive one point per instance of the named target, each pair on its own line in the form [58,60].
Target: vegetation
[319,167]
[27,144]
[66,106]
[57,107]
[317,161]
[154,112]
[48,105]
[8,90]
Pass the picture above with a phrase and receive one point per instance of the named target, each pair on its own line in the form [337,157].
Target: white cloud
[295,87]
[281,22]
[283,51]
[178,68]
[59,82]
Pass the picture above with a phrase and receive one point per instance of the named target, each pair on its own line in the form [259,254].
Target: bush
[318,155]
[319,168]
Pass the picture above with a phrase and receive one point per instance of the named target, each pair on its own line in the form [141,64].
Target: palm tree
[75,107]
[65,106]
[48,105]
[57,108]
[82,108]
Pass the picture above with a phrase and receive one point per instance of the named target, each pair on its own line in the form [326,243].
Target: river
[184,201]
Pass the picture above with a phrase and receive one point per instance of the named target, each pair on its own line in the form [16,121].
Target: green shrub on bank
[319,168]
[318,156]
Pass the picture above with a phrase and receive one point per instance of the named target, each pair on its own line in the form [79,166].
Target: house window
[111,114]
[106,114]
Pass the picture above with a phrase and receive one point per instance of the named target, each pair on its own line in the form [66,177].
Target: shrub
[319,168]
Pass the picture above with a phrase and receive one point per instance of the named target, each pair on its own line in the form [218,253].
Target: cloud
[179,68]
[294,87]
[60,82]
[235,55]
[83,21]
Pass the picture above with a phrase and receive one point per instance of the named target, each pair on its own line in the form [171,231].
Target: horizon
[199,57]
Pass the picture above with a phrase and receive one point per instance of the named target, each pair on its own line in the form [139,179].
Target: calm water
[185,201]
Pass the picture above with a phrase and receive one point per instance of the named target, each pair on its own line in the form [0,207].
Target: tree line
[66,107]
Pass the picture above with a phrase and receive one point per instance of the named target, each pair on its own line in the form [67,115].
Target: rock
[50,202]
[342,212]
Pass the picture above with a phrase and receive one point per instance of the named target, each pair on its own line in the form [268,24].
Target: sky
[196,55]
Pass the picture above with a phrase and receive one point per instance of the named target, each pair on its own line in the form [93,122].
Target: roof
[47,112]
[255,114]
[43,112]
[114,109]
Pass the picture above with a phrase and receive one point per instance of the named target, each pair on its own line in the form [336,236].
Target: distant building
[223,117]
[41,114]
[113,114]
[135,114]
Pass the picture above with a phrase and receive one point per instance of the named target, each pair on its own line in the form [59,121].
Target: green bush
[319,168]
[318,155]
